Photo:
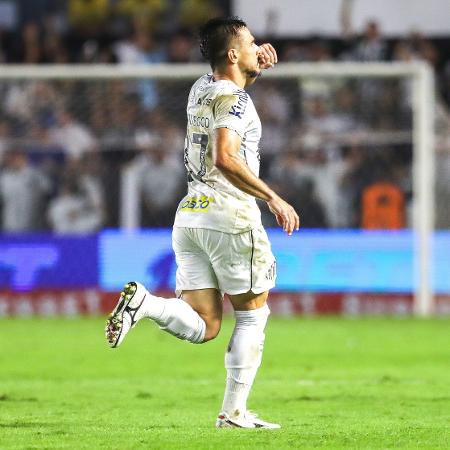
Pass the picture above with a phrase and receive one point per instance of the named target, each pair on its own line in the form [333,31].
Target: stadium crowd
[339,151]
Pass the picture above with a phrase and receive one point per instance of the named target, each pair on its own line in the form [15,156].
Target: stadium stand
[73,145]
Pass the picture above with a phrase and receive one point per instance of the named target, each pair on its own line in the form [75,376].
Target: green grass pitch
[331,382]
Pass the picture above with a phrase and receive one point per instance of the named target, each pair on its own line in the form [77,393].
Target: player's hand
[285,214]
[267,56]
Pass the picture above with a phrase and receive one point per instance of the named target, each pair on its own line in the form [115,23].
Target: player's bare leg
[208,305]
[242,360]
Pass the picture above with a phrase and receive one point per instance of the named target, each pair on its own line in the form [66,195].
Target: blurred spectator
[445,86]
[5,132]
[9,12]
[351,185]
[125,115]
[272,102]
[79,206]
[383,206]
[93,52]
[323,125]
[172,138]
[31,51]
[370,46]
[311,210]
[375,188]
[40,145]
[346,106]
[182,48]
[54,47]
[274,110]
[442,190]
[23,193]
[318,51]
[29,102]
[159,173]
[294,52]
[287,170]
[415,47]
[69,212]
[442,164]
[295,180]
[3,58]
[71,135]
[142,48]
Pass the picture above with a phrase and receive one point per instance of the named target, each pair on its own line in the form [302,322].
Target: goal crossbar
[187,71]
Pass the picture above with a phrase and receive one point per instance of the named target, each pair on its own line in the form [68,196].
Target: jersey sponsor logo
[196,204]
[198,121]
[204,101]
[239,108]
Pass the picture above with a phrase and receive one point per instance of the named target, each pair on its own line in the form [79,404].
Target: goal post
[423,186]
[419,74]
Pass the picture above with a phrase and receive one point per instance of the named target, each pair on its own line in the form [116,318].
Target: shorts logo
[196,204]
[272,272]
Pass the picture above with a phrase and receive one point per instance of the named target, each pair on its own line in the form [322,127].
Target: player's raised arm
[226,158]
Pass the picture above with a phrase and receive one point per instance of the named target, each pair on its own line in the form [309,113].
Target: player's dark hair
[215,37]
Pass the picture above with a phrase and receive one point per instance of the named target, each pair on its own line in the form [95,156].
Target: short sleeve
[230,111]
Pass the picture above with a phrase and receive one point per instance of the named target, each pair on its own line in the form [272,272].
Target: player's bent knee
[212,329]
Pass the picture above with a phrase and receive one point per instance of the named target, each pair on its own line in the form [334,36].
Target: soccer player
[220,245]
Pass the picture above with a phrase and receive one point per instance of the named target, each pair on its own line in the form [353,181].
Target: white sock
[243,358]
[176,317]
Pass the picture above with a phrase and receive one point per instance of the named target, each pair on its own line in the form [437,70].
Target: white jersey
[212,201]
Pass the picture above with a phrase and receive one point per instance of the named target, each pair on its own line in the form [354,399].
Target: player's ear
[233,55]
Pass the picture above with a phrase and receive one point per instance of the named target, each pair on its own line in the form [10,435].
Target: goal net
[350,145]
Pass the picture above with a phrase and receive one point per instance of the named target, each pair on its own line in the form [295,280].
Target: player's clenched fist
[267,56]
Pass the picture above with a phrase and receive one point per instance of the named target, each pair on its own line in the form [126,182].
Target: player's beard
[252,73]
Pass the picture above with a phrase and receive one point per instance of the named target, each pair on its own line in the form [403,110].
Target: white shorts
[232,263]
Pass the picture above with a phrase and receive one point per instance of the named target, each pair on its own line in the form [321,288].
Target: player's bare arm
[226,158]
